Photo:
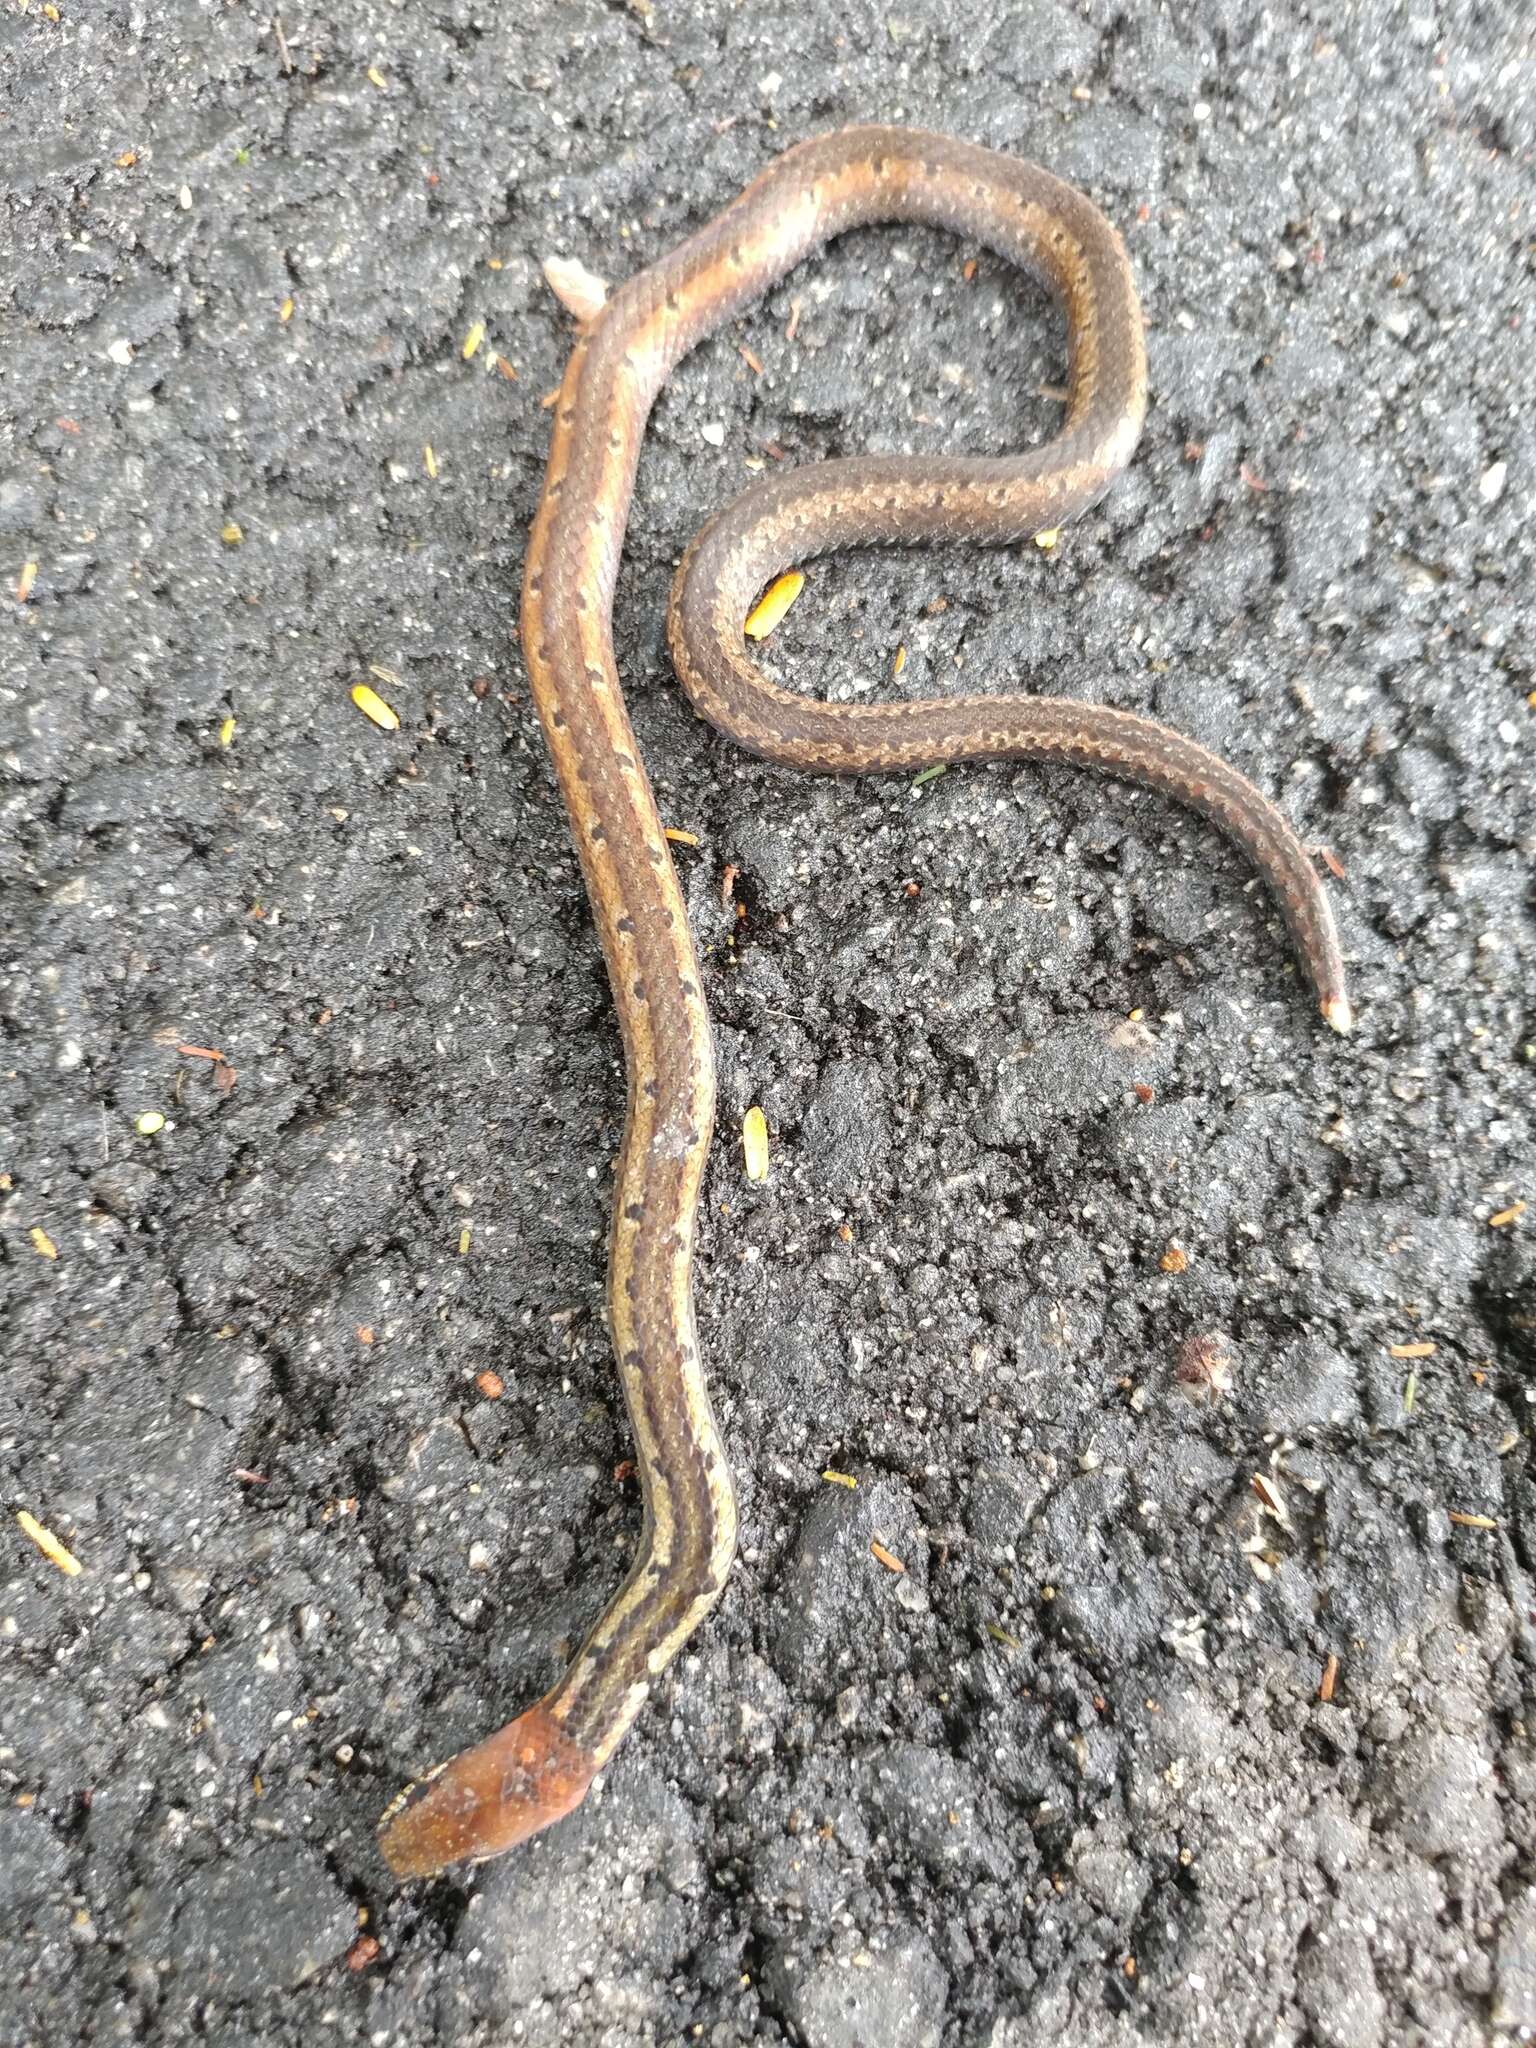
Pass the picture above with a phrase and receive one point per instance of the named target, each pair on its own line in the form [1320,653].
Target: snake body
[539,1766]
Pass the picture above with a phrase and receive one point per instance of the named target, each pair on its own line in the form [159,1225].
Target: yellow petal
[49,1544]
[772,605]
[754,1144]
[372,705]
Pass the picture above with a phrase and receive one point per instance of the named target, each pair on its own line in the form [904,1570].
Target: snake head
[488,1798]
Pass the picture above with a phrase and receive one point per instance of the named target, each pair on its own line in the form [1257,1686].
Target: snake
[539,1767]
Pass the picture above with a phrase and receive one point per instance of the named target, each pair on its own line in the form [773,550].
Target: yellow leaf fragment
[226,732]
[25,581]
[49,1544]
[372,705]
[1506,1216]
[754,1143]
[429,458]
[465,1236]
[231,534]
[285,311]
[881,1555]
[1047,540]
[1411,1350]
[376,77]
[901,660]
[473,339]
[149,1123]
[679,837]
[42,1243]
[840,1479]
[579,290]
[1470,1521]
[773,604]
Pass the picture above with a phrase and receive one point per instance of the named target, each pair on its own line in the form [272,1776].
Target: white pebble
[714,433]
[1491,484]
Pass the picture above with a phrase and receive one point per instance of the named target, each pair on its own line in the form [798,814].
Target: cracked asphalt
[1055,1134]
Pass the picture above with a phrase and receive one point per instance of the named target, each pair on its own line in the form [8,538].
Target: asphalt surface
[1053,1124]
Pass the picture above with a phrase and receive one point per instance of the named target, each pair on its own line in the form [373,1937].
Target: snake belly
[539,1766]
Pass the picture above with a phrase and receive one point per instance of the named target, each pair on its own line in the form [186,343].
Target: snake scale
[539,1766]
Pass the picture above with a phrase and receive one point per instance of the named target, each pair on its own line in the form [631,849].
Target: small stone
[714,433]
[894,1994]
[1514,2003]
[32,1858]
[838,1601]
[1441,1797]
[1338,1987]
[251,1923]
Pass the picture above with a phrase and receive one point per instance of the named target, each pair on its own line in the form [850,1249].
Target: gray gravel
[1068,1776]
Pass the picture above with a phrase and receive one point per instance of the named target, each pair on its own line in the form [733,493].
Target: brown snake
[539,1766]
